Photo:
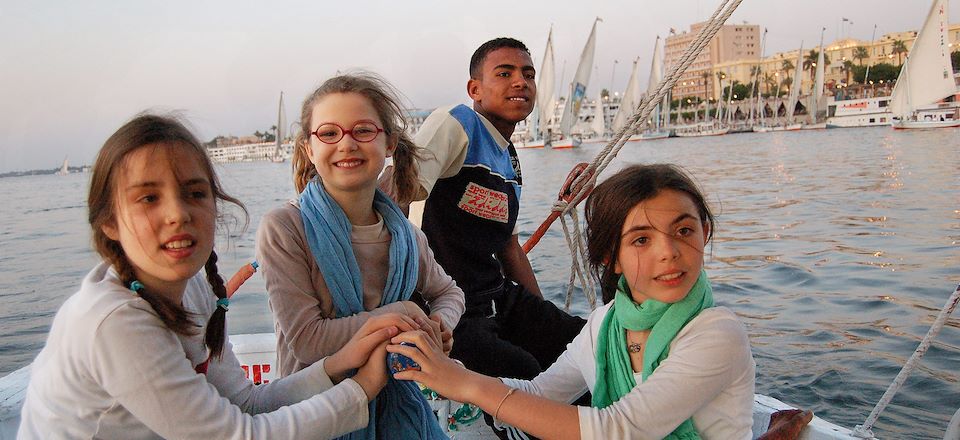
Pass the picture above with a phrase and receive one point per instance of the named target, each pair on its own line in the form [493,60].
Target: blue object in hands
[397,362]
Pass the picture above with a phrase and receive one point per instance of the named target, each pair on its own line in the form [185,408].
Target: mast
[795,87]
[756,83]
[817,91]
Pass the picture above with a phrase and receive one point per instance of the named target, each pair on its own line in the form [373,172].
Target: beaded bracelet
[496,414]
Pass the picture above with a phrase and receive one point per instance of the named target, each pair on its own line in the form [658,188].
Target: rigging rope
[566,205]
[863,431]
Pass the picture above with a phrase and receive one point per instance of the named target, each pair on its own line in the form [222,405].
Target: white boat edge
[257,354]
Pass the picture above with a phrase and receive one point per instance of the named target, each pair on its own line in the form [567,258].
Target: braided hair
[166,132]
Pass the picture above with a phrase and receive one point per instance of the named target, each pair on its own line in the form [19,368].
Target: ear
[473,89]
[706,232]
[392,142]
[110,230]
[616,266]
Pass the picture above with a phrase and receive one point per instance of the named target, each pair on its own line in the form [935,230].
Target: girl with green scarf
[660,360]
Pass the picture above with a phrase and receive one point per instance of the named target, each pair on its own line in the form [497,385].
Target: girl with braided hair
[141,351]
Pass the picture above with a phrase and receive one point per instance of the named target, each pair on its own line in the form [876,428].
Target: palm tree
[899,48]
[847,70]
[810,62]
[787,66]
[770,81]
[860,53]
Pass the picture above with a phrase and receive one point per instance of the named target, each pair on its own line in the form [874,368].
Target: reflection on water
[837,248]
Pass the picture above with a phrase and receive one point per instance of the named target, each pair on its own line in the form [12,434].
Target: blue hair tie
[136,286]
[224,303]
[254,265]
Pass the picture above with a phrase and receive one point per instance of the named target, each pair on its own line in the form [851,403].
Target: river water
[836,248]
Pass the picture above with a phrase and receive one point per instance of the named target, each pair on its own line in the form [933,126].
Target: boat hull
[921,125]
[257,355]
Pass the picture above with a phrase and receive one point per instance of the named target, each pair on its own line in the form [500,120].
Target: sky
[72,72]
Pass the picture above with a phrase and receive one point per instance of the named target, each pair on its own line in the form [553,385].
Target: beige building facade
[732,42]
[878,51]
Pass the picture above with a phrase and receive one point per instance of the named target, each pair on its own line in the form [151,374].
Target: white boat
[926,77]
[762,128]
[64,169]
[541,118]
[659,115]
[257,355]
[651,135]
[787,127]
[791,122]
[566,142]
[702,129]
[815,99]
[279,155]
[578,91]
[862,112]
[630,100]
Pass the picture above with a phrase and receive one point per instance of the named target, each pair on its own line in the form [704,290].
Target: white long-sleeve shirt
[112,369]
[708,374]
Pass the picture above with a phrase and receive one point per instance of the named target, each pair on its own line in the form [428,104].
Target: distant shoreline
[77,169]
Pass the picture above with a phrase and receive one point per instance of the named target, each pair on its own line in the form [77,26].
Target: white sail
[629,101]
[278,154]
[597,124]
[578,88]
[795,87]
[545,99]
[64,169]
[817,92]
[926,76]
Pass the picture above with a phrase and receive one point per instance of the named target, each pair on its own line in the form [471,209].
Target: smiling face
[506,88]
[165,216]
[661,247]
[348,167]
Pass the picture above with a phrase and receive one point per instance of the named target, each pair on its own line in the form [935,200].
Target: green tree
[955,60]
[740,91]
[770,82]
[787,66]
[810,62]
[847,70]
[604,93]
[899,49]
[860,53]
[878,72]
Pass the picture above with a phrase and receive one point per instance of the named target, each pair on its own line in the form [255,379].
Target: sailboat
[578,90]
[790,123]
[926,77]
[656,75]
[64,169]
[279,155]
[539,130]
[816,95]
[629,102]
[598,126]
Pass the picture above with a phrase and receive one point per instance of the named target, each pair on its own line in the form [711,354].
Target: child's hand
[372,376]
[432,326]
[446,335]
[437,371]
[373,332]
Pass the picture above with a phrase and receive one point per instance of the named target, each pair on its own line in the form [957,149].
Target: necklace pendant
[634,347]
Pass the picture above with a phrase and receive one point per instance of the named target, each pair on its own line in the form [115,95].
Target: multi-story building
[732,42]
[837,52]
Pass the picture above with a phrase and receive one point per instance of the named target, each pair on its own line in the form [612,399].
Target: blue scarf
[404,413]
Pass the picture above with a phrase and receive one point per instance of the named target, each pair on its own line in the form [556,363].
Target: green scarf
[614,373]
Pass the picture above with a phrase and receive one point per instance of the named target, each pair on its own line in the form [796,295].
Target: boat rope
[584,178]
[864,430]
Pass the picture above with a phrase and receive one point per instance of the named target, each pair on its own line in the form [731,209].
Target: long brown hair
[610,203]
[386,101]
[162,132]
